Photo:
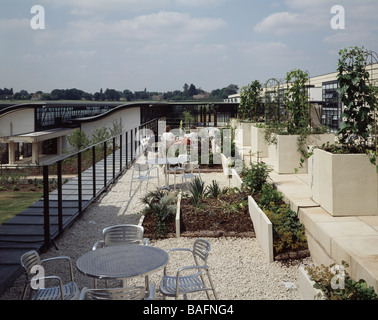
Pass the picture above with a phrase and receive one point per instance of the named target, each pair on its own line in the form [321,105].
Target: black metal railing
[125,146]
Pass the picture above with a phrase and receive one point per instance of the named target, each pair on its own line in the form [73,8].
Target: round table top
[122,261]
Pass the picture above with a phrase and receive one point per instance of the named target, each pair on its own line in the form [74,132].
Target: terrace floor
[331,240]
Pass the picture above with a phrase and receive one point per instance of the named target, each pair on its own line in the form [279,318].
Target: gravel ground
[238,266]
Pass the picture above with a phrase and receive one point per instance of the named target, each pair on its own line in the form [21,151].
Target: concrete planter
[344,185]
[178,213]
[226,169]
[263,228]
[243,133]
[306,286]
[285,157]
[259,146]
[236,180]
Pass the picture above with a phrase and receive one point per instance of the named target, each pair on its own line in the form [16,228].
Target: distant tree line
[188,92]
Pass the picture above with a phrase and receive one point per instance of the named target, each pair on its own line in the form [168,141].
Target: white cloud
[162,26]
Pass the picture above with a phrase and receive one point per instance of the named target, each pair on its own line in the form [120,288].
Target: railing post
[120,152]
[79,181]
[114,142]
[60,200]
[105,166]
[127,149]
[94,170]
[46,206]
[132,146]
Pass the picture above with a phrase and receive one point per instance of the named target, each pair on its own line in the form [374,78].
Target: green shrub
[255,176]
[288,232]
[269,196]
[325,278]
[162,205]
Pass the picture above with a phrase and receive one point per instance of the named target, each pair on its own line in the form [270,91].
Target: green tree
[78,140]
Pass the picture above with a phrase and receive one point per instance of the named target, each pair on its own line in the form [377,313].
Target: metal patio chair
[141,172]
[180,284]
[31,261]
[179,167]
[122,234]
[126,293]
[188,172]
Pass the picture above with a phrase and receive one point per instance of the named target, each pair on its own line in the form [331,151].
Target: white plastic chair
[141,172]
[63,291]
[177,284]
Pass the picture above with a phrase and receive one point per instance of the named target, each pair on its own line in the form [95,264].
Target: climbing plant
[251,106]
[297,101]
[359,97]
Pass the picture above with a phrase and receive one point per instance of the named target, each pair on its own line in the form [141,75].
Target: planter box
[344,185]
[259,146]
[284,156]
[263,228]
[306,286]
[226,169]
[243,133]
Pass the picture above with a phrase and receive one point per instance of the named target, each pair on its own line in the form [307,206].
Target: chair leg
[131,185]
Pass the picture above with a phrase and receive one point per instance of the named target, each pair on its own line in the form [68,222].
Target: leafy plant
[269,197]
[197,190]
[162,205]
[255,176]
[213,190]
[296,100]
[358,97]
[251,107]
[325,279]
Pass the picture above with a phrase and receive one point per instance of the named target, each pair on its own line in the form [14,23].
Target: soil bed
[226,216]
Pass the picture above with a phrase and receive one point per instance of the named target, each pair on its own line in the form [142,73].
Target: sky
[160,45]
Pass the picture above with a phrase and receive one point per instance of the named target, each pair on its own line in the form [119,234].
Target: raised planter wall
[259,146]
[236,180]
[344,185]
[306,286]
[284,156]
[177,219]
[226,169]
[263,228]
[243,133]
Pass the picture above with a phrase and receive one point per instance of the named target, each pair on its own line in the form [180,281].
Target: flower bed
[218,212]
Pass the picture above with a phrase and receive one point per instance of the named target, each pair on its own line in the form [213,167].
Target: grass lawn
[12,203]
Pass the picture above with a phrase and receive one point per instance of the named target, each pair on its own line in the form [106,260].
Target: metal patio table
[122,262]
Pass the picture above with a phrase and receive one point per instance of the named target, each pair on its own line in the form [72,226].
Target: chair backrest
[191,166]
[182,158]
[201,250]
[126,293]
[125,233]
[140,167]
[29,260]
